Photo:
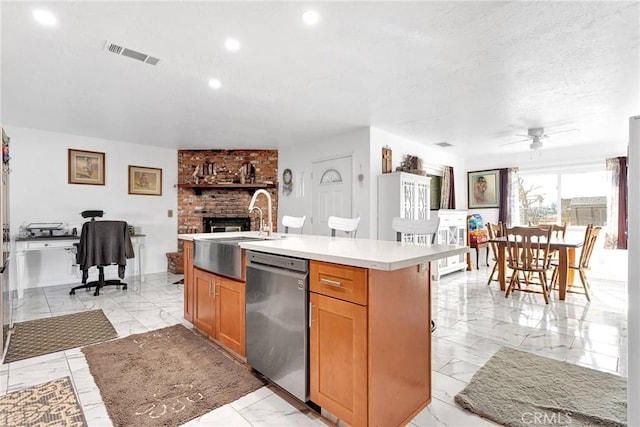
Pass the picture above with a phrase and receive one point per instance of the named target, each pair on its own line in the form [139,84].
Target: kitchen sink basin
[221,255]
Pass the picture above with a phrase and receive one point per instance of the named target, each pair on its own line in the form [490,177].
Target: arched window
[330,176]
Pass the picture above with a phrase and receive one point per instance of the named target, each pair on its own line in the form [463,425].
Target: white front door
[330,192]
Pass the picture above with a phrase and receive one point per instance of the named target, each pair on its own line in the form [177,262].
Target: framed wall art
[145,181]
[86,167]
[287,183]
[484,189]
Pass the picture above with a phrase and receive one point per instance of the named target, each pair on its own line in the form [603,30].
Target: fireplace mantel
[197,188]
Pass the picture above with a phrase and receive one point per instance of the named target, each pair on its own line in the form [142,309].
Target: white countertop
[367,253]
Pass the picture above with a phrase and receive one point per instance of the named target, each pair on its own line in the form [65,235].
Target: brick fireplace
[222,200]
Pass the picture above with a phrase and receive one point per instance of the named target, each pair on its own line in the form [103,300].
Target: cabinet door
[338,358]
[188,280]
[423,196]
[408,198]
[230,313]
[204,302]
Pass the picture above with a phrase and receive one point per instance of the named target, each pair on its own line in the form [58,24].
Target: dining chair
[494,230]
[557,232]
[348,225]
[590,238]
[527,256]
[293,222]
[417,232]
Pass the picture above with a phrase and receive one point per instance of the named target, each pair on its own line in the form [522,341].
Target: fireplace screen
[219,225]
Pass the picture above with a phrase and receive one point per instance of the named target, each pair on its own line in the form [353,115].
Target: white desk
[24,245]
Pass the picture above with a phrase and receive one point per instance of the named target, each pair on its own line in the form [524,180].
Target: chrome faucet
[269,226]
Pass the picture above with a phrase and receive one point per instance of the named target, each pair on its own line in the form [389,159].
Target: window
[577,198]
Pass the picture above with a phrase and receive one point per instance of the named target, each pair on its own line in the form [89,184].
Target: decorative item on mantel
[196,175]
[386,159]
[411,164]
[245,172]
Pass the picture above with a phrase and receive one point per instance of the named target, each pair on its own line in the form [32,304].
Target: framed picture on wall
[484,189]
[145,181]
[86,167]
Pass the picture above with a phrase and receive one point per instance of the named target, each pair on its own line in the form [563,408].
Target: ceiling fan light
[536,144]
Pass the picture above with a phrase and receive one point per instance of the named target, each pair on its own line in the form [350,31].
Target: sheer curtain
[447,192]
[616,232]
[509,212]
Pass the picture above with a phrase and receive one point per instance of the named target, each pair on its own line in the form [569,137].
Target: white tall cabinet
[403,195]
[451,231]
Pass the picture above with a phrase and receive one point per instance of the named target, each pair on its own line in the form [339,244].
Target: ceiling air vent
[130,53]
[444,144]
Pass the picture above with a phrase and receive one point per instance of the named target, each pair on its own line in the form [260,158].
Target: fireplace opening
[219,225]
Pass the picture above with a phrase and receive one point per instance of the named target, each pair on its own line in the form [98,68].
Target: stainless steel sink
[221,255]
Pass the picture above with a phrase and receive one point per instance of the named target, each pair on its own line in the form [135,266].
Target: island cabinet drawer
[339,281]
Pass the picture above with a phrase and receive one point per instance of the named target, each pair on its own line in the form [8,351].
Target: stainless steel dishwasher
[277,309]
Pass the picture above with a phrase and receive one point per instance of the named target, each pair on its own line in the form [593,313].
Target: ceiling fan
[536,135]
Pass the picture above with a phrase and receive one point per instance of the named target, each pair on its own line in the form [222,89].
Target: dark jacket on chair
[104,243]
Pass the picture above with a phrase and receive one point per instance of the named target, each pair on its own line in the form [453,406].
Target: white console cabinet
[451,231]
[403,195]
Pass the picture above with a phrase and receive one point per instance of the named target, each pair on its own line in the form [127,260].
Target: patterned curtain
[447,192]
[616,230]
[509,211]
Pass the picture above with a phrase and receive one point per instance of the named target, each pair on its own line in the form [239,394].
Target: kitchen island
[370,335]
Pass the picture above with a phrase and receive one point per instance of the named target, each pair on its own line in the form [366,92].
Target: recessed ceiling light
[44,17]
[310,17]
[215,83]
[232,44]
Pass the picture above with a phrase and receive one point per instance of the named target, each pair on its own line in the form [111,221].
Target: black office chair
[102,243]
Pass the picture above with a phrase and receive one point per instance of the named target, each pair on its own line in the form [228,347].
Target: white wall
[299,158]
[633,392]
[40,192]
[547,157]
[365,145]
[433,159]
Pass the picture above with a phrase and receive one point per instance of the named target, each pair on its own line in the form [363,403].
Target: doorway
[331,189]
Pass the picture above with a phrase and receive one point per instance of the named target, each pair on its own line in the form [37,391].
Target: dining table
[566,249]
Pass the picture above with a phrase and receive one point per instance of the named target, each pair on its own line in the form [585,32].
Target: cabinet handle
[215,290]
[331,282]
[210,292]
[310,313]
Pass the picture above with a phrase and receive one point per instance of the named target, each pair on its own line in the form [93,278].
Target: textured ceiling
[473,74]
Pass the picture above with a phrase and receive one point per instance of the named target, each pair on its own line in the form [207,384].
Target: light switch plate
[170,213]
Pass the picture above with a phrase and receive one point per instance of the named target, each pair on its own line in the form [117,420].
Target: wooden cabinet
[452,231]
[187,247]
[338,358]
[219,309]
[338,340]
[230,313]
[205,303]
[403,195]
[370,342]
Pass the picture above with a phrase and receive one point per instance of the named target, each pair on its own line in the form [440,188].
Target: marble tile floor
[474,321]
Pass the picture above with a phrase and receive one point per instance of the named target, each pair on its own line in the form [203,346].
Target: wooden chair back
[528,248]
[590,237]
[493,231]
[558,231]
